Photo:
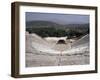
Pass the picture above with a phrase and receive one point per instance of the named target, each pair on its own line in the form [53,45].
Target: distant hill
[33,24]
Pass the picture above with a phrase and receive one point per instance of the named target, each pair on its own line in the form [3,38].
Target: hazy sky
[58,18]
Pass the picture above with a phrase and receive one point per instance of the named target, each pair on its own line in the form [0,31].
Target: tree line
[57,32]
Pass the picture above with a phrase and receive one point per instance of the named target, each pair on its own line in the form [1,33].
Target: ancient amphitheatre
[56,51]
